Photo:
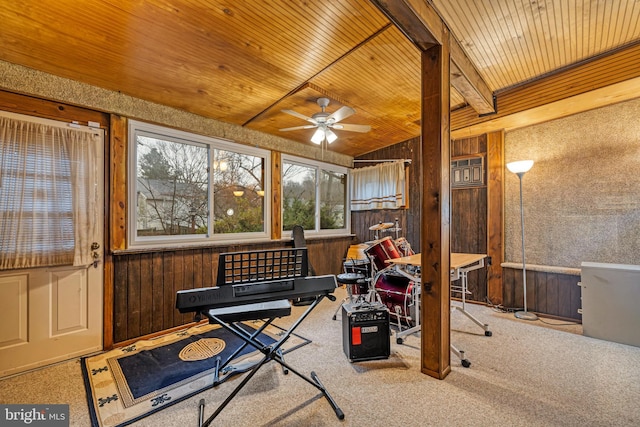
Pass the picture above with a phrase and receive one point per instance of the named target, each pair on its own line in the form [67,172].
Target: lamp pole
[520,168]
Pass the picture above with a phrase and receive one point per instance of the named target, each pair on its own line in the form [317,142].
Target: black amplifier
[365,331]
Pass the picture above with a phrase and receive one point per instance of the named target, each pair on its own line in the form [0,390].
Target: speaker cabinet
[365,331]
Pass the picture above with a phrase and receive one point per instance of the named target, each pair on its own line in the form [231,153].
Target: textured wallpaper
[582,196]
[31,82]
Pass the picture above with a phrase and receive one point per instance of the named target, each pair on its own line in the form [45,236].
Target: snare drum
[404,247]
[396,292]
[356,283]
[382,250]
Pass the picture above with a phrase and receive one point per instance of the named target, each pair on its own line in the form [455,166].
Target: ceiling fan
[326,122]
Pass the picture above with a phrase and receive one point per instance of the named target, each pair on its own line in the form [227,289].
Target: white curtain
[48,193]
[378,187]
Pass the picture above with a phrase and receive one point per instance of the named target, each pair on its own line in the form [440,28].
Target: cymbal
[381,226]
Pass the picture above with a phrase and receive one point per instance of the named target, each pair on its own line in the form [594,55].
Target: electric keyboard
[202,299]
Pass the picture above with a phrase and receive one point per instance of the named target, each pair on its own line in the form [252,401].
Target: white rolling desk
[461,265]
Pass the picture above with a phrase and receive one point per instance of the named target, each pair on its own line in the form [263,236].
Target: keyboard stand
[227,318]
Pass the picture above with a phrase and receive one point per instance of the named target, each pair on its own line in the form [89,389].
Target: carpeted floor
[526,374]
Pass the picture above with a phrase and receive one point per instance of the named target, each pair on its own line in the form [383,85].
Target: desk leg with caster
[462,274]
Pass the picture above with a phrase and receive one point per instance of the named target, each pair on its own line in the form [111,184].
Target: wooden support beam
[436,213]
[495,223]
[420,22]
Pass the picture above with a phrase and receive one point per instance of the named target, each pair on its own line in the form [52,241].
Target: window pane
[172,187]
[238,187]
[333,202]
[298,196]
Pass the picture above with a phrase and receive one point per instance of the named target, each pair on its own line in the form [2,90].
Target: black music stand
[254,267]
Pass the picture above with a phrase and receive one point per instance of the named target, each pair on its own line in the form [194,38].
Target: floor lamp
[520,168]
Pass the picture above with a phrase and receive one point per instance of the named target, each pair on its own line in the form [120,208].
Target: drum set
[369,277]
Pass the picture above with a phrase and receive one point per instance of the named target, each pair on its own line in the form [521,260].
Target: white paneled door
[51,314]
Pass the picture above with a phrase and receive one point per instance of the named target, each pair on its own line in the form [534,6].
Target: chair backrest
[297,232]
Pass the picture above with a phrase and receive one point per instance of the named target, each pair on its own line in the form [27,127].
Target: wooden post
[495,223]
[276,192]
[436,213]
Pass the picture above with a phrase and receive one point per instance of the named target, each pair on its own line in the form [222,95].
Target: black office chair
[297,232]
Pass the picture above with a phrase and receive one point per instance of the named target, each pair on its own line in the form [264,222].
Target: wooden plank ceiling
[243,62]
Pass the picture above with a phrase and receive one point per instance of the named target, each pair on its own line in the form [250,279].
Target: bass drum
[397,293]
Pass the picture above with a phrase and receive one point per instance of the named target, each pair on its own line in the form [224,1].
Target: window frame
[319,166]
[136,128]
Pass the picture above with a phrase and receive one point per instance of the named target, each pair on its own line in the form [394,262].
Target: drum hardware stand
[397,229]
[461,274]
[350,279]
[415,300]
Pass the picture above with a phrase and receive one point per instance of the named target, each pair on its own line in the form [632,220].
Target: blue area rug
[129,383]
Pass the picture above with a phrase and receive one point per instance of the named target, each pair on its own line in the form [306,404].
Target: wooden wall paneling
[518,291]
[188,274]
[146,293]
[540,288]
[327,256]
[508,290]
[158,299]
[208,270]
[133,296]
[495,214]
[469,216]
[178,284]
[169,313]
[553,295]
[120,308]
[564,296]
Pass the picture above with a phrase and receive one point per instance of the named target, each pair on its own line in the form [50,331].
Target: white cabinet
[611,302]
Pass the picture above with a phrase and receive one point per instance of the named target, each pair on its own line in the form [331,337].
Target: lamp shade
[521,166]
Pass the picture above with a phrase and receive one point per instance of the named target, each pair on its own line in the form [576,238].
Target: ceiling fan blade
[352,128]
[341,114]
[300,116]
[298,128]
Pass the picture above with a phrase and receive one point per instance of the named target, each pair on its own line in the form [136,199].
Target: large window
[190,188]
[314,196]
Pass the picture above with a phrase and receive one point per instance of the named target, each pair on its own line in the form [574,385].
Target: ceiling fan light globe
[318,136]
[331,136]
